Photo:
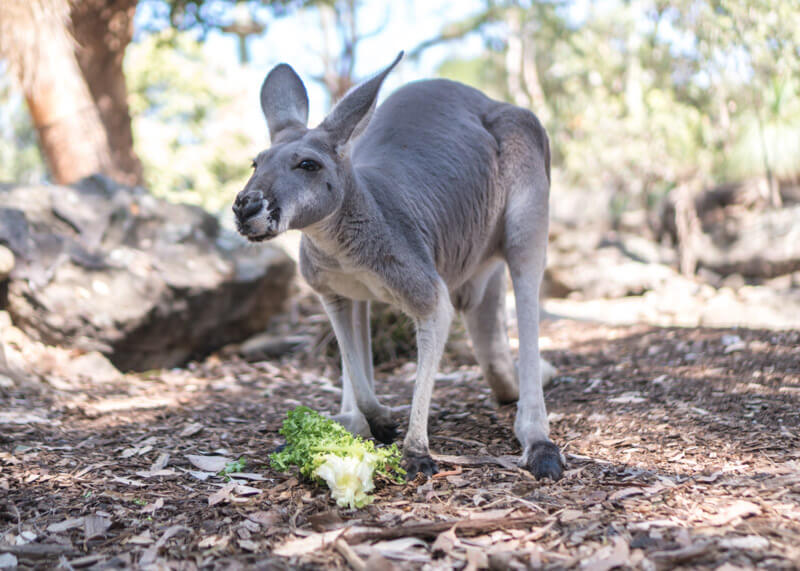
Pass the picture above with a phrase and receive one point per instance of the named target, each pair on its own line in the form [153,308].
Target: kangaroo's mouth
[264,225]
[260,237]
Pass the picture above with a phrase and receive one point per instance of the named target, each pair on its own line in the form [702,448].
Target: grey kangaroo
[417,203]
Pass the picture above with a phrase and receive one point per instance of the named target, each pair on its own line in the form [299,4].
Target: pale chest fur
[358,285]
[341,276]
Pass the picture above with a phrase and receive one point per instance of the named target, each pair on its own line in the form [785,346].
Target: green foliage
[310,437]
[233,467]
[639,97]
[189,128]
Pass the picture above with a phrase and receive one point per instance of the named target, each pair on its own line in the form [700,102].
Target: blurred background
[675,133]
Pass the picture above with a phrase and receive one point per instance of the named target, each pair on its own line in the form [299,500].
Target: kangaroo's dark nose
[246,205]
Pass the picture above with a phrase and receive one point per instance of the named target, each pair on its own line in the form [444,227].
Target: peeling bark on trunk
[103,29]
[34,40]
[71,134]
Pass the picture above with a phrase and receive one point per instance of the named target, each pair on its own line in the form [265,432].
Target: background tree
[102,30]
[39,51]
[69,56]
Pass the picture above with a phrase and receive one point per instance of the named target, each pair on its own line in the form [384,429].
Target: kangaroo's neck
[355,226]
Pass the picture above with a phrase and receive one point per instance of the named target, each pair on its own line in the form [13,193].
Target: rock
[265,346]
[606,273]
[149,284]
[589,263]
[93,366]
[760,244]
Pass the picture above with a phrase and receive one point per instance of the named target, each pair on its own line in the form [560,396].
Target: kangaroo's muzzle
[254,219]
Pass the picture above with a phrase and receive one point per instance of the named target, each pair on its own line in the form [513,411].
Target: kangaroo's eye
[253,163]
[309,165]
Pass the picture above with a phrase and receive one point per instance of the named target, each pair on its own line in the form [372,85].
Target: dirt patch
[681,447]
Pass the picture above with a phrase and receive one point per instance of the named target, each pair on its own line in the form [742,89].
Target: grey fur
[416,203]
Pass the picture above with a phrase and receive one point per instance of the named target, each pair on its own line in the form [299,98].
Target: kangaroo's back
[433,158]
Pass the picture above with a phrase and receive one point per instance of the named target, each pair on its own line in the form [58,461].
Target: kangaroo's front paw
[416,463]
[383,428]
[543,460]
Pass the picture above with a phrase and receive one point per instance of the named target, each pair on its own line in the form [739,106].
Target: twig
[431,530]
[351,556]
[446,473]
[507,462]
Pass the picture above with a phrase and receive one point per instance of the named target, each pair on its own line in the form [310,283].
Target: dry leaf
[151,553]
[213,541]
[213,464]
[737,509]
[143,539]
[242,490]
[403,549]
[568,516]
[609,556]
[65,525]
[313,542]
[267,519]
[95,526]
[191,430]
[247,476]
[476,559]
[748,542]
[151,508]
[445,543]
[161,462]
[625,492]
[222,495]
[157,473]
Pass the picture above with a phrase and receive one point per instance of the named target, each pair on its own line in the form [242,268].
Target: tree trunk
[71,134]
[103,29]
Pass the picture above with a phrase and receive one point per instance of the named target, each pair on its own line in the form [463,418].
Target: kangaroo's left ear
[284,100]
[352,114]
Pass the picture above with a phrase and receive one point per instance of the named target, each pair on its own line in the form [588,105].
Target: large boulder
[588,263]
[760,244]
[146,282]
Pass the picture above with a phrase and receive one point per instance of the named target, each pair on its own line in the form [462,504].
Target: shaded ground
[681,446]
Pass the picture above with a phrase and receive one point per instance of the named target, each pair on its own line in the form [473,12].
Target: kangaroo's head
[303,177]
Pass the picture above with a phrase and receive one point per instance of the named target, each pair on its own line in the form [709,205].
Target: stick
[431,530]
[351,556]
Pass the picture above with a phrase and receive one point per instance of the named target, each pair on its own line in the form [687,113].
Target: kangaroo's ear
[352,114]
[284,100]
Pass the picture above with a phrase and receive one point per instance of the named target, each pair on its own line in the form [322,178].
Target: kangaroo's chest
[340,276]
[357,284]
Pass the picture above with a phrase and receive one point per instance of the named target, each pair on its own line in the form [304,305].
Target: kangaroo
[418,203]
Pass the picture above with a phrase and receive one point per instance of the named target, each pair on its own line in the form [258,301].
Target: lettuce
[326,452]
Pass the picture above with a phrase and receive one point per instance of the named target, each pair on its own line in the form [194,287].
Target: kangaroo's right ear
[284,100]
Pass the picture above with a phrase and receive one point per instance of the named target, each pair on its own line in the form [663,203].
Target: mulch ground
[682,450]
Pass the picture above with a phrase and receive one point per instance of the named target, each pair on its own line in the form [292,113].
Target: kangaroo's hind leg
[486,324]
[525,251]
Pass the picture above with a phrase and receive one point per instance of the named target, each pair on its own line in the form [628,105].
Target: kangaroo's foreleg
[349,322]
[350,416]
